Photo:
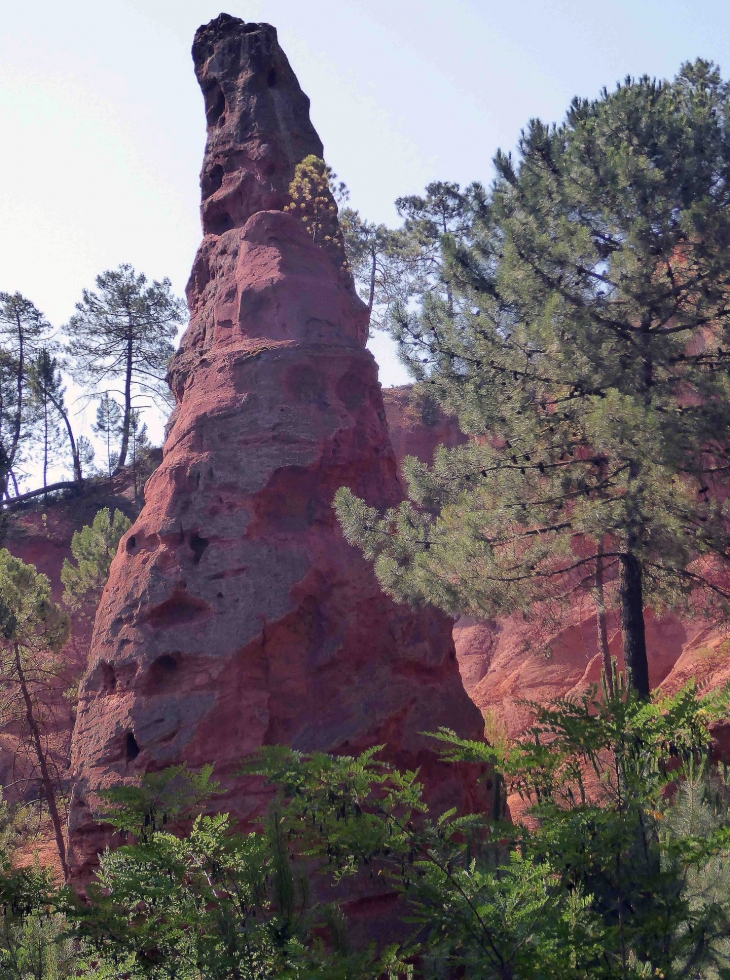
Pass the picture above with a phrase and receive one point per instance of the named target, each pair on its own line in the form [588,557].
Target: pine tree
[314,194]
[49,432]
[33,629]
[589,358]
[378,258]
[47,391]
[140,447]
[109,426]
[124,331]
[429,220]
[23,330]
[85,452]
[93,549]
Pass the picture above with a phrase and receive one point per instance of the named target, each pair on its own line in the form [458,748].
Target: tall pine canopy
[123,333]
[589,358]
[24,330]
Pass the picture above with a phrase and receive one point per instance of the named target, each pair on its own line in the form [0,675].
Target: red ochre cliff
[416,424]
[235,614]
[40,533]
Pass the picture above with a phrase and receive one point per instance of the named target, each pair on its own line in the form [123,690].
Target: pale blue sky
[103,127]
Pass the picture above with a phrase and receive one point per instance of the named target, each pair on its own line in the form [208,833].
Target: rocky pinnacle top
[257,117]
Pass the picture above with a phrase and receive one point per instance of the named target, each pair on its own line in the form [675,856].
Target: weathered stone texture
[235,614]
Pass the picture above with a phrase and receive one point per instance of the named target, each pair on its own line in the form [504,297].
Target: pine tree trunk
[58,405]
[15,441]
[127,409]
[46,780]
[601,622]
[449,291]
[45,443]
[373,269]
[632,624]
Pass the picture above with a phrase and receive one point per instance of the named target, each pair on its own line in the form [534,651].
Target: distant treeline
[115,347]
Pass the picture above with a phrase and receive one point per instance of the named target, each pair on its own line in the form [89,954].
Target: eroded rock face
[417,425]
[40,534]
[235,614]
[509,661]
[258,122]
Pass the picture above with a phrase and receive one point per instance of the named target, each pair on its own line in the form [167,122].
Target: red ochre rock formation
[235,614]
[416,424]
[505,662]
[40,534]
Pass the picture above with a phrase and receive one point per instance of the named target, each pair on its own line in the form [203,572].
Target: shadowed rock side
[235,614]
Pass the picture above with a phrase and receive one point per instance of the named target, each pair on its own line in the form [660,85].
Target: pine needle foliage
[122,332]
[92,549]
[33,631]
[589,360]
[48,393]
[377,256]
[108,426]
[24,330]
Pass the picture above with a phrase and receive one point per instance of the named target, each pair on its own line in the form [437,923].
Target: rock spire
[235,614]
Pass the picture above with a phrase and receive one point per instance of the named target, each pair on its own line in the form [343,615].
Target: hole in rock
[161,672]
[131,543]
[198,546]
[104,678]
[211,181]
[180,608]
[131,747]
[218,223]
[271,78]
[220,595]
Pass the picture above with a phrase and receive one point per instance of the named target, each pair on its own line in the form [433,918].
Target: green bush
[621,868]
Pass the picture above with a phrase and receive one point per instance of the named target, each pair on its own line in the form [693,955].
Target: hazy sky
[103,128]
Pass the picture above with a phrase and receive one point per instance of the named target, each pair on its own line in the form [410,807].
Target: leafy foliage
[618,872]
[210,902]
